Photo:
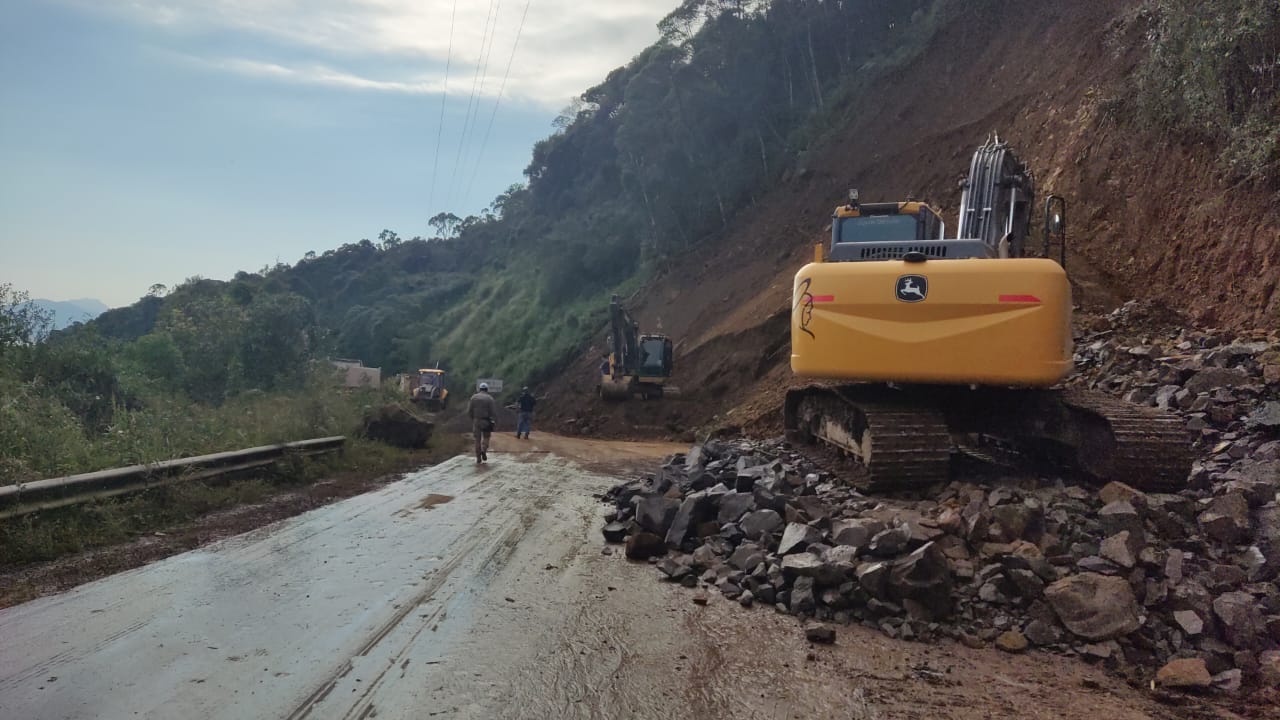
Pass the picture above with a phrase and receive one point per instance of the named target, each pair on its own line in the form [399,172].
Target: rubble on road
[1181,583]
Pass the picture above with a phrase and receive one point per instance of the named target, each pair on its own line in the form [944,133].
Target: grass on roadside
[57,533]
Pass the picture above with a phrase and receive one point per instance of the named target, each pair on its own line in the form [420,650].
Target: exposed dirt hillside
[1149,218]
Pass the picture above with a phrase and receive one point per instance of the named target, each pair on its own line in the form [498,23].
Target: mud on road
[479,592]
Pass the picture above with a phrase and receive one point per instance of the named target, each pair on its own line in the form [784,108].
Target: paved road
[463,592]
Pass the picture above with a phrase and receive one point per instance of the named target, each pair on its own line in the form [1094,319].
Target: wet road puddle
[433,500]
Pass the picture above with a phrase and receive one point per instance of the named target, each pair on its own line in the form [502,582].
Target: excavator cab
[855,223]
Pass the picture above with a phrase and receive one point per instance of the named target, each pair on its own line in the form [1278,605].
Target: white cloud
[565,47]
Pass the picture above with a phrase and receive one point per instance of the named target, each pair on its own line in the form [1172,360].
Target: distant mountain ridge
[68,312]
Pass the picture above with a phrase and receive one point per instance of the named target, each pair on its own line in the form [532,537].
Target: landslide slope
[1153,213]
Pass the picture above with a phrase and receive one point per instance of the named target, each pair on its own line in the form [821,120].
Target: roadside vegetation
[210,376]
[1211,72]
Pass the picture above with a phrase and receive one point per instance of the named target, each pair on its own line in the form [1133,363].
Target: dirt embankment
[1149,217]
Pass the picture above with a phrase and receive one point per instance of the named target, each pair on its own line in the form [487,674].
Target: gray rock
[747,557]
[675,568]
[1240,618]
[801,564]
[1027,583]
[1119,516]
[655,514]
[1267,416]
[734,505]
[1093,606]
[841,555]
[1011,522]
[615,532]
[761,524]
[1173,567]
[890,541]
[1227,519]
[798,537]
[855,533]
[802,600]
[1189,621]
[1122,549]
[684,519]
[1211,379]
[874,577]
[1095,564]
[820,633]
[1269,538]
[1041,633]
[924,576]
[1228,681]
[705,556]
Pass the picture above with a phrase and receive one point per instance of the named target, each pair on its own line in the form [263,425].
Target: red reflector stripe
[1019,299]
[824,298]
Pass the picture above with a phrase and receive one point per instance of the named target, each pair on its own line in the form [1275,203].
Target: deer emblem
[912,288]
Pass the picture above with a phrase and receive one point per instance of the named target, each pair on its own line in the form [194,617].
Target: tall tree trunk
[813,64]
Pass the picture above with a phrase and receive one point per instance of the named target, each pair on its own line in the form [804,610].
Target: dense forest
[642,168]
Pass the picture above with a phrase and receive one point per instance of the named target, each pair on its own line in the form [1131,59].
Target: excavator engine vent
[895,252]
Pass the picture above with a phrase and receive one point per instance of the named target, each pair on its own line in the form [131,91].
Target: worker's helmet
[524,389]
[484,386]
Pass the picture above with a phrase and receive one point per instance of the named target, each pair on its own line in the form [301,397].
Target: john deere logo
[912,288]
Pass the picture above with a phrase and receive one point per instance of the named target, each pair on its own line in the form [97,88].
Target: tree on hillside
[445,224]
[21,321]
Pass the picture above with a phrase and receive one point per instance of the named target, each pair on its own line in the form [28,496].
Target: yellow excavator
[636,364]
[926,347]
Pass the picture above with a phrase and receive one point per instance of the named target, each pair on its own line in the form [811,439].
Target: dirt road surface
[482,592]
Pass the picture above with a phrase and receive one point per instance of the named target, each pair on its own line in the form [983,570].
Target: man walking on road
[525,422]
[483,412]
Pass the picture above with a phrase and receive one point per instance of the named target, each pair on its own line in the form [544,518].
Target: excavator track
[1121,441]
[905,438]
[902,444]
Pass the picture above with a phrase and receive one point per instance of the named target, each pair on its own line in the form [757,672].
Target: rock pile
[1226,388]
[1130,579]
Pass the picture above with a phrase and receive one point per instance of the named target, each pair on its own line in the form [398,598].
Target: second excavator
[928,347]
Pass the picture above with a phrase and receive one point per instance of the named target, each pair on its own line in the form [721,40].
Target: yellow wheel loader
[428,390]
[925,344]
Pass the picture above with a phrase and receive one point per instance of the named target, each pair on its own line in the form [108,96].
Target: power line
[484,75]
[497,101]
[435,160]
[475,84]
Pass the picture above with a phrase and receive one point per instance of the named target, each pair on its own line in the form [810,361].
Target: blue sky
[153,140]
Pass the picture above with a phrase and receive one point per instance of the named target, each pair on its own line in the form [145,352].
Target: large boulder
[797,537]
[734,505]
[1184,673]
[1241,619]
[760,524]
[924,577]
[856,532]
[396,426]
[1227,519]
[1094,607]
[1211,379]
[655,514]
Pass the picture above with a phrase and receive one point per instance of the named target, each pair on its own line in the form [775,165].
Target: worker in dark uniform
[524,423]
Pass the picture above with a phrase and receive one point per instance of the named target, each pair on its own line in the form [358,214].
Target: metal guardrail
[25,498]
